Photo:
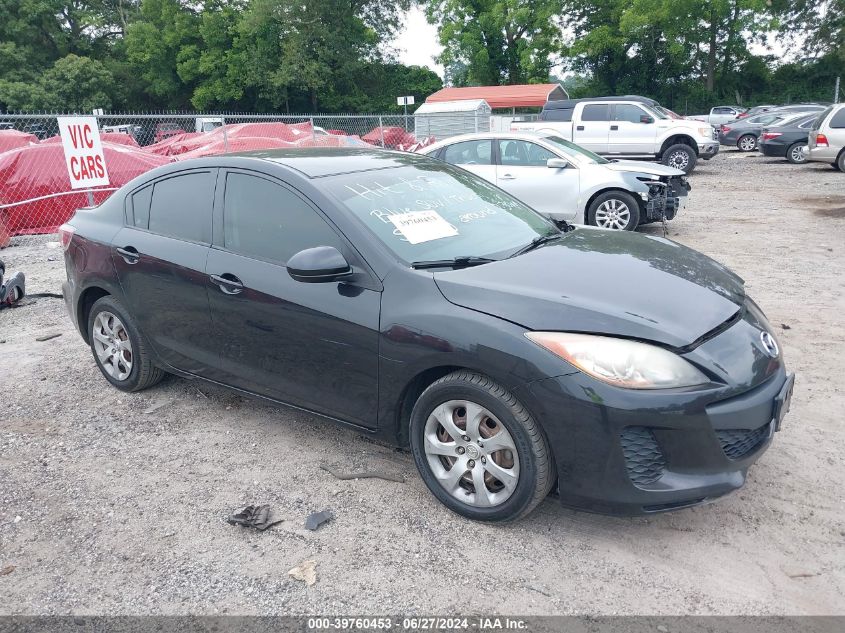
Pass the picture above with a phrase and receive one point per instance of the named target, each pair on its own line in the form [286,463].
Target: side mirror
[318,264]
[646,119]
[557,163]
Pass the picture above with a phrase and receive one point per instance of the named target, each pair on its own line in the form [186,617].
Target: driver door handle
[614,127]
[508,177]
[228,283]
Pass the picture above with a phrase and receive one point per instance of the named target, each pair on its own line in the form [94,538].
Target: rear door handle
[508,177]
[580,128]
[614,127]
[228,283]
[129,254]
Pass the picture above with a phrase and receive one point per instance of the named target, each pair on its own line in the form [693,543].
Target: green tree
[492,42]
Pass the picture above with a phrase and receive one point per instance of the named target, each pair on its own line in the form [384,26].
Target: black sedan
[788,140]
[416,302]
[745,133]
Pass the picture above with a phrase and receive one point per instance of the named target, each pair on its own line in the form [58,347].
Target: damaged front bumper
[665,199]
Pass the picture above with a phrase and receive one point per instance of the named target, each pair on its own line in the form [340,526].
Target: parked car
[208,124]
[166,130]
[826,140]
[38,130]
[760,109]
[566,182]
[7,125]
[416,302]
[745,133]
[626,127]
[788,138]
[719,115]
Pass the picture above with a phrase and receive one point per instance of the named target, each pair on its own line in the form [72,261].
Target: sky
[416,44]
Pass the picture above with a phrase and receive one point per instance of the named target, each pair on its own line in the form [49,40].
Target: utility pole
[836,90]
[405,101]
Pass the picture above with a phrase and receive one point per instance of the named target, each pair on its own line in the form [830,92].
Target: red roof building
[516,96]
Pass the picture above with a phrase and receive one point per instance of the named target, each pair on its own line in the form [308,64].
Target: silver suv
[827,137]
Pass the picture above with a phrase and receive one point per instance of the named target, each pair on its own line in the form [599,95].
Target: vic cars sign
[86,164]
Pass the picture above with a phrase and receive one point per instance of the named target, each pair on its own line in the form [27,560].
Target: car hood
[643,167]
[605,282]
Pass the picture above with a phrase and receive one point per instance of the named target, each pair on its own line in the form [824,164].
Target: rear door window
[141,207]
[523,154]
[838,120]
[596,112]
[181,206]
[264,220]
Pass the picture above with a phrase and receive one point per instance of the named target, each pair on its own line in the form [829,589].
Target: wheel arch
[596,194]
[87,299]
[411,393]
[678,139]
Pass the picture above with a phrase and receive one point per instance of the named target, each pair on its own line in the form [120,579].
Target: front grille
[643,458]
[738,443]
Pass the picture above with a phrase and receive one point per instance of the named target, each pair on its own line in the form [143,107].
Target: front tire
[478,450]
[614,210]
[747,143]
[119,350]
[797,153]
[681,157]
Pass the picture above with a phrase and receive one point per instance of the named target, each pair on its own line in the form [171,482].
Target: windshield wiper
[462,261]
[536,242]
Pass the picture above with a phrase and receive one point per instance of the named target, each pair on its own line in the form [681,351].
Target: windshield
[655,112]
[438,212]
[573,150]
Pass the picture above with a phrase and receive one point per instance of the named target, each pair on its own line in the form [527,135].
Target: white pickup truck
[626,127]
[719,115]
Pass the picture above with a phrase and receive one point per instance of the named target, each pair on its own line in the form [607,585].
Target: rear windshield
[437,211]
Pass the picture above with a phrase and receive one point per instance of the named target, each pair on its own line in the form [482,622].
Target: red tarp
[393,136]
[218,145]
[39,170]
[11,139]
[118,138]
[165,147]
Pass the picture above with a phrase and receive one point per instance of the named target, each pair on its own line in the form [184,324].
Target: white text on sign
[84,158]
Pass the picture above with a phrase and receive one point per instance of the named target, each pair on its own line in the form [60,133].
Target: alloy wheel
[747,143]
[799,153]
[471,453]
[679,160]
[613,214]
[112,345]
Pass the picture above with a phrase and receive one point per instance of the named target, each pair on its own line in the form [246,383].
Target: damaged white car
[567,182]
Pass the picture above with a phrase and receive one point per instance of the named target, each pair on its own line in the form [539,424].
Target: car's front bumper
[632,453]
[706,151]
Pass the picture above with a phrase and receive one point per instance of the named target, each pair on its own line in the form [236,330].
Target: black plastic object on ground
[257,517]
[316,519]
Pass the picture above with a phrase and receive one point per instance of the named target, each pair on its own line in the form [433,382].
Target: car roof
[316,162]
[523,136]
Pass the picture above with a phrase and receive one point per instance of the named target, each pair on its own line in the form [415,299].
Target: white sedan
[567,182]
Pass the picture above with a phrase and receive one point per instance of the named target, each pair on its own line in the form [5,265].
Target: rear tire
[840,162]
[797,153]
[119,350]
[747,143]
[516,476]
[615,210]
[681,157]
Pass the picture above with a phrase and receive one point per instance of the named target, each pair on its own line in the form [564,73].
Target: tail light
[821,140]
[768,136]
[726,128]
[66,232]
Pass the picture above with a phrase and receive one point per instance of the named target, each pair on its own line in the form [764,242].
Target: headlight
[621,362]
[706,131]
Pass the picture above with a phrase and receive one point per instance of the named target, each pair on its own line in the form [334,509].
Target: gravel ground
[110,508]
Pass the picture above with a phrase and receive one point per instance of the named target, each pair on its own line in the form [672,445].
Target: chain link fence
[35,192]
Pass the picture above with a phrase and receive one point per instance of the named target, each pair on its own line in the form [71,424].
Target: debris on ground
[316,519]
[370,474]
[257,517]
[8,569]
[158,404]
[785,326]
[305,572]
[47,337]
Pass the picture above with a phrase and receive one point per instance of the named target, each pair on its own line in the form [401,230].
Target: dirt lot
[108,507]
